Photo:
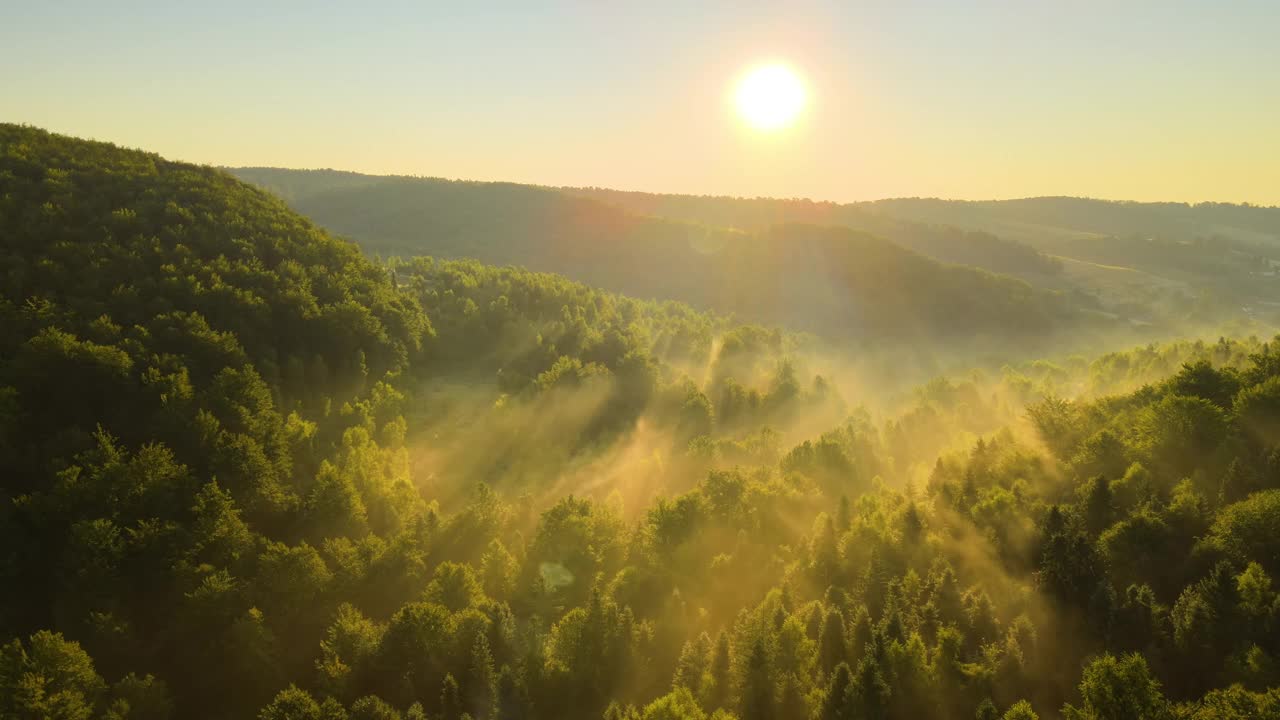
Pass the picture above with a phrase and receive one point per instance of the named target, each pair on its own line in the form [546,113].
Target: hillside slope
[210,408]
[241,475]
[947,243]
[1042,219]
[839,282]
[1180,265]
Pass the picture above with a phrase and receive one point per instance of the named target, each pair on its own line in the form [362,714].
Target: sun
[770,97]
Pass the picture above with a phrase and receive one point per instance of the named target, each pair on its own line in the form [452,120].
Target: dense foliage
[243,474]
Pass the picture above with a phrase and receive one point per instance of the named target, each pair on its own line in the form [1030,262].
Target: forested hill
[293,185]
[207,412]
[996,234]
[946,243]
[835,281]
[1175,264]
[134,243]
[242,475]
[1001,235]
[1183,268]
[940,241]
[1045,219]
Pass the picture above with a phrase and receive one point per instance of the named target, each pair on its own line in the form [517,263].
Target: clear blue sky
[1172,100]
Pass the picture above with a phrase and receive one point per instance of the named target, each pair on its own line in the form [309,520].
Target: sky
[1176,100]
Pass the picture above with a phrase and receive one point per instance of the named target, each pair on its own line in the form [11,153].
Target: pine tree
[791,701]
[831,642]
[844,516]
[513,696]
[757,684]
[836,699]
[862,634]
[716,691]
[826,555]
[481,688]
[692,663]
[870,690]
[450,700]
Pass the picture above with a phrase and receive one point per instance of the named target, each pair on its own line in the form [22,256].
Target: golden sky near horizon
[1148,101]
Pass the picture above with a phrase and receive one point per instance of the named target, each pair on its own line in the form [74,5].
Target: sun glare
[770,97]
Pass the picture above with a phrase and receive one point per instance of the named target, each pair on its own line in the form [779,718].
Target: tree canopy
[247,471]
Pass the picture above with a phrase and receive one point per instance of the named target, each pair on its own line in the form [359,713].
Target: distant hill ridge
[818,276]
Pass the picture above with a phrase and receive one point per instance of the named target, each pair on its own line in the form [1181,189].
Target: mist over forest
[318,445]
